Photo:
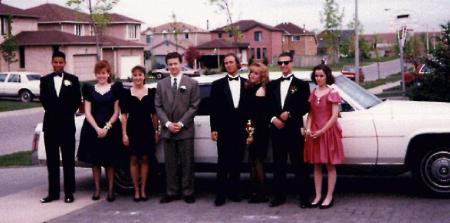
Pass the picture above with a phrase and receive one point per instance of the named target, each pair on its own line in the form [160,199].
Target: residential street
[386,68]
[358,199]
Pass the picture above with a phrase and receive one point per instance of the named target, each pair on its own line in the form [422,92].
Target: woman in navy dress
[100,143]
[259,118]
[139,122]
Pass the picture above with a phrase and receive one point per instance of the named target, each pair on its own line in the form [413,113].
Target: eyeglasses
[283,62]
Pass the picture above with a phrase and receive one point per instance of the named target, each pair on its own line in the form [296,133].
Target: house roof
[50,13]
[222,44]
[292,29]
[245,25]
[168,42]
[7,10]
[46,38]
[169,27]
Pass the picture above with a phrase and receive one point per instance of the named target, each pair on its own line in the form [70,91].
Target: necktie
[174,85]
[58,74]
[233,78]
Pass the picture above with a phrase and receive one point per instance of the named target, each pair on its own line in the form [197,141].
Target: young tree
[176,29]
[331,18]
[436,85]
[9,46]
[225,6]
[98,14]
[191,56]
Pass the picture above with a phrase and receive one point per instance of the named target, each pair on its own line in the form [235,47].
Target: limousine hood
[413,108]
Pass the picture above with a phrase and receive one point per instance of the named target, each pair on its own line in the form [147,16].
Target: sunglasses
[283,62]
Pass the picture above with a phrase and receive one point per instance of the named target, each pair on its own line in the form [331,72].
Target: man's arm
[77,95]
[159,106]
[43,91]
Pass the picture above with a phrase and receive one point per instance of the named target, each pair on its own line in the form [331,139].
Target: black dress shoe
[189,199]
[48,199]
[277,201]
[220,200]
[68,198]
[327,205]
[168,198]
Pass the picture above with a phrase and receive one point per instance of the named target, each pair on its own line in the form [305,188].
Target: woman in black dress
[100,143]
[139,122]
[259,119]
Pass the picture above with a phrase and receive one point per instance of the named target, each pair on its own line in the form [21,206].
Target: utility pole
[356,44]
[402,39]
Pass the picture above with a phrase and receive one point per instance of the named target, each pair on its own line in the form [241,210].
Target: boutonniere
[183,88]
[293,89]
[67,83]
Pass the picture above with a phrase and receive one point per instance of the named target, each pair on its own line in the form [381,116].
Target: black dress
[141,133]
[258,113]
[101,151]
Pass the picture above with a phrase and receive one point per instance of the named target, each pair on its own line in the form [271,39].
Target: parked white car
[24,85]
[164,72]
[378,136]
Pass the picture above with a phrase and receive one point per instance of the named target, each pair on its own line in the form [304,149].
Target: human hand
[214,135]
[174,127]
[157,137]
[284,116]
[125,140]
[278,123]
[101,133]
[317,134]
[249,140]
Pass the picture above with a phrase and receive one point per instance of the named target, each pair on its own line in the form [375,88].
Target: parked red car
[417,74]
[349,72]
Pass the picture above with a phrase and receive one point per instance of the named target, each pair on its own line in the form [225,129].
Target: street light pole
[356,43]
[402,39]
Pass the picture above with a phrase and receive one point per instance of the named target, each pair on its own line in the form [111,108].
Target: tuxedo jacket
[60,111]
[224,117]
[296,102]
[180,107]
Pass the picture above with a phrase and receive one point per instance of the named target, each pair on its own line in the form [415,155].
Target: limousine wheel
[25,96]
[434,171]
[122,180]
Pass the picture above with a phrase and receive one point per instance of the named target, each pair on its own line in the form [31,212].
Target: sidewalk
[379,89]
[21,112]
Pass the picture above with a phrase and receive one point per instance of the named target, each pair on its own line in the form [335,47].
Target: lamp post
[356,43]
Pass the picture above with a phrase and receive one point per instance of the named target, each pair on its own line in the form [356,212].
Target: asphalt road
[17,128]
[358,199]
[386,68]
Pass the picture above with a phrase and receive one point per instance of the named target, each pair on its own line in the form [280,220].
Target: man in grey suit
[176,101]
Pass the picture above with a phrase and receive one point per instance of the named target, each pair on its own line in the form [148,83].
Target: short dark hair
[58,53]
[138,68]
[236,59]
[286,54]
[174,55]
[326,70]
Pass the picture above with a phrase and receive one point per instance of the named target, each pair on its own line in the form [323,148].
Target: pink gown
[328,148]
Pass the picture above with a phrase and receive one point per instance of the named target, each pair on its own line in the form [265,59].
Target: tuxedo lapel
[227,91]
[277,92]
[168,91]
[63,86]
[51,86]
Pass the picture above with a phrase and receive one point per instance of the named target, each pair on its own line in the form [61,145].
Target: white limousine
[379,136]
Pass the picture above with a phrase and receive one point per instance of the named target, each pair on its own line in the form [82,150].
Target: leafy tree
[98,14]
[436,85]
[331,18]
[191,56]
[9,46]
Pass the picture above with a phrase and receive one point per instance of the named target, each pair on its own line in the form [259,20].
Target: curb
[20,112]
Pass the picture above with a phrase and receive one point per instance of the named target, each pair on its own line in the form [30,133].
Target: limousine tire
[432,170]
[25,95]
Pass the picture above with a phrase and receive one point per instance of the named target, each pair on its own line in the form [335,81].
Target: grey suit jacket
[180,107]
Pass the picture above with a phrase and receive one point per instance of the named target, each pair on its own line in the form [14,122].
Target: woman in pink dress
[323,141]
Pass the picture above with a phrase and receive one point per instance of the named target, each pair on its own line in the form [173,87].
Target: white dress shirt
[57,80]
[235,88]
[284,88]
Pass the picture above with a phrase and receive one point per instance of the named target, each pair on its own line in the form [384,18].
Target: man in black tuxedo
[60,97]
[289,96]
[227,120]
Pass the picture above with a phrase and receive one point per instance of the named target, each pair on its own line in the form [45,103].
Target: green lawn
[16,159]
[10,105]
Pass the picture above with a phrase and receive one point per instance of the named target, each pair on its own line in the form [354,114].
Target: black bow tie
[58,74]
[286,78]
[233,78]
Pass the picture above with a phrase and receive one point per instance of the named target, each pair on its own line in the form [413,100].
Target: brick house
[298,41]
[62,28]
[161,40]
[262,41]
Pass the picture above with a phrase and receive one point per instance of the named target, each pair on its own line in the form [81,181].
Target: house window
[186,35]
[264,53]
[252,53]
[164,32]
[219,35]
[258,53]
[78,28]
[296,38]
[148,39]
[22,56]
[230,34]
[258,36]
[5,25]
[55,48]
[133,31]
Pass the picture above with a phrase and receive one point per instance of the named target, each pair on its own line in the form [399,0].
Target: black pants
[290,146]
[230,151]
[66,141]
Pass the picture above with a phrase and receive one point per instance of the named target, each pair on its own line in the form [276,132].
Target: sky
[376,16]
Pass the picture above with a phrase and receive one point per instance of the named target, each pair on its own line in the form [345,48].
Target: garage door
[84,66]
[126,64]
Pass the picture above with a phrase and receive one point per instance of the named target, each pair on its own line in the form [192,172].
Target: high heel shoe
[328,205]
[111,197]
[315,205]
[95,197]
[136,199]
